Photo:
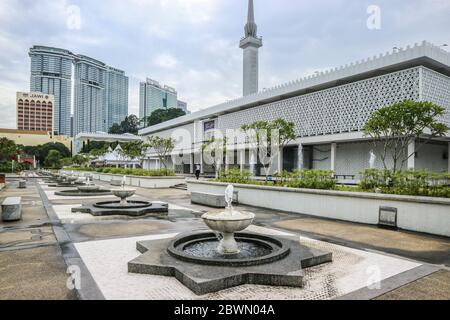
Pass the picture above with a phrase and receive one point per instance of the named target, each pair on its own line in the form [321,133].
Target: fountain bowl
[227,223]
[199,248]
[123,193]
[88,188]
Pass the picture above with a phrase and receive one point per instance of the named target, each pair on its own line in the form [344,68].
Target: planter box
[421,214]
[136,181]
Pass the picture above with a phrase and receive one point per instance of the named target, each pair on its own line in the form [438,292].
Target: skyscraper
[51,73]
[89,104]
[153,96]
[116,96]
[101,92]
[251,44]
[183,106]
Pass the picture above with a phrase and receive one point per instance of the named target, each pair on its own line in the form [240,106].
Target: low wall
[421,214]
[136,181]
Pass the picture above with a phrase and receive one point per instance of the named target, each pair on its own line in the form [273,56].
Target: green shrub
[415,183]
[309,179]
[235,176]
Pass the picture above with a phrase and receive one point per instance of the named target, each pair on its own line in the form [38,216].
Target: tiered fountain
[63,180]
[124,206]
[87,190]
[211,261]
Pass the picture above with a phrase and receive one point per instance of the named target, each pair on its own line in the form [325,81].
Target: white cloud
[166,60]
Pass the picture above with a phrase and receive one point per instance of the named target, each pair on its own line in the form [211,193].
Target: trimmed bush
[415,183]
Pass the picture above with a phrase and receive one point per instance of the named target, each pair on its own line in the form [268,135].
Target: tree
[161,146]
[163,115]
[115,129]
[80,159]
[53,159]
[393,127]
[134,149]
[45,149]
[209,149]
[129,125]
[263,132]
[8,149]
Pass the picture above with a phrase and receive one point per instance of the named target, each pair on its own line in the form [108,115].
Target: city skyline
[204,63]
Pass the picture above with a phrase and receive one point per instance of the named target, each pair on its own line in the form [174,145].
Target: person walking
[197,171]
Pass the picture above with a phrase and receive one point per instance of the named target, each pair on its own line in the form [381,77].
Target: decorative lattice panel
[436,88]
[339,109]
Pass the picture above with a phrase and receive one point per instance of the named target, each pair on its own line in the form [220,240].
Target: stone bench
[12,209]
[22,184]
[211,199]
[116,183]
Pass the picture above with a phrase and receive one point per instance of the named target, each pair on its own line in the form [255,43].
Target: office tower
[116,96]
[89,104]
[153,96]
[183,106]
[51,73]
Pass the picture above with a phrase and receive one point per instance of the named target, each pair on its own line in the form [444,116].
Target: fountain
[225,257]
[63,180]
[227,223]
[88,190]
[124,206]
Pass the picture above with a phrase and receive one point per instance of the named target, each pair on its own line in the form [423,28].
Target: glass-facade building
[153,96]
[100,92]
[89,104]
[51,73]
[116,96]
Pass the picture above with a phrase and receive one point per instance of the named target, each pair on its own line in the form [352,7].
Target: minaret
[250,44]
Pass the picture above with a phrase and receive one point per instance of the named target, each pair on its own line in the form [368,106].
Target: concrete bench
[116,183]
[12,209]
[211,199]
[22,184]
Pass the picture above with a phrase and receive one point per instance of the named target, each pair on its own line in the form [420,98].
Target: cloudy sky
[192,45]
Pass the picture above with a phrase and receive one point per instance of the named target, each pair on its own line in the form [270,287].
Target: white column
[202,171]
[300,164]
[280,160]
[192,160]
[252,160]
[412,158]
[242,159]
[333,156]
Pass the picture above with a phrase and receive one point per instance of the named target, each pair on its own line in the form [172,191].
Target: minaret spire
[251,12]
[250,44]
[251,27]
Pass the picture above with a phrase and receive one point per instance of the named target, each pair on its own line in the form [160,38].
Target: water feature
[224,257]
[227,223]
[87,190]
[124,206]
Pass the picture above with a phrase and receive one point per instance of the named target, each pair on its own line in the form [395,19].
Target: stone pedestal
[12,209]
[22,184]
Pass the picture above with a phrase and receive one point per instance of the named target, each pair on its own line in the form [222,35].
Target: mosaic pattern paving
[350,270]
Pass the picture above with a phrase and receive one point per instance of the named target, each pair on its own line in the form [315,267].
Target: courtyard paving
[35,252]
